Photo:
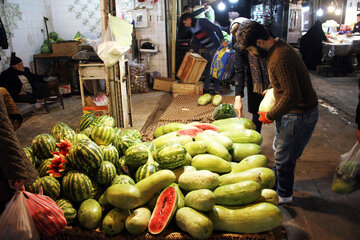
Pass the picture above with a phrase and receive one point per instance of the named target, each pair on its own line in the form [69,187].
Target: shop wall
[351,12]
[280,19]
[24,24]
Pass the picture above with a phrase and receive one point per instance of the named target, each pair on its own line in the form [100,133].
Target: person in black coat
[357,119]
[311,46]
[22,85]
[252,71]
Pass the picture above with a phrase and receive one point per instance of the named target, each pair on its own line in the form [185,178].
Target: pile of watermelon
[205,177]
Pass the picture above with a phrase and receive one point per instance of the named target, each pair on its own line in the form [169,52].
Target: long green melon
[194,180]
[222,138]
[194,148]
[43,145]
[242,150]
[90,214]
[252,218]
[231,178]
[171,138]
[269,196]
[114,222]
[214,147]
[211,162]
[153,184]
[180,170]
[202,200]
[197,224]
[76,186]
[267,175]
[68,209]
[253,161]
[246,123]
[244,136]
[237,194]
[171,155]
[123,196]
[137,222]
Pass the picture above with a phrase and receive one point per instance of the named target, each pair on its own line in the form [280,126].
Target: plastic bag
[347,175]
[222,63]
[16,222]
[47,215]
[224,111]
[138,81]
[268,101]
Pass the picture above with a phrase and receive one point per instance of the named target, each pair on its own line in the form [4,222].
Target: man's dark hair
[186,15]
[358,15]
[249,32]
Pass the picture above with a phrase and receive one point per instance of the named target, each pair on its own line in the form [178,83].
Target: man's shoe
[285,200]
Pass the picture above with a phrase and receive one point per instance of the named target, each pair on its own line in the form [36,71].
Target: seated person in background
[23,85]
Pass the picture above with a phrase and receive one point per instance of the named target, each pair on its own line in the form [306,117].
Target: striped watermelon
[85,156]
[76,186]
[44,167]
[121,167]
[117,131]
[62,131]
[78,137]
[43,145]
[68,209]
[123,142]
[86,120]
[131,133]
[105,173]
[51,186]
[152,149]
[30,155]
[123,179]
[87,131]
[96,190]
[102,134]
[144,171]
[171,155]
[34,187]
[110,153]
[106,120]
[136,155]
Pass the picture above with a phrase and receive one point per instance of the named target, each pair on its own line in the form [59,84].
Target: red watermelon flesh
[206,126]
[164,210]
[192,132]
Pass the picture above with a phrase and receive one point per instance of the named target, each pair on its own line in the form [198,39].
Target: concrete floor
[317,212]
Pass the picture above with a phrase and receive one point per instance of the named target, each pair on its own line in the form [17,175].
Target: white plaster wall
[351,12]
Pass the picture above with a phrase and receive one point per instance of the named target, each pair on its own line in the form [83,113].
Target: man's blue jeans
[292,133]
[209,55]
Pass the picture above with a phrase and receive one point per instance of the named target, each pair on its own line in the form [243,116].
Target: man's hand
[263,118]
[17,184]
[238,106]
[21,93]
[224,43]
[264,92]
[357,133]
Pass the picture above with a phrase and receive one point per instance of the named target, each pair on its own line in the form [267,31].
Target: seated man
[23,85]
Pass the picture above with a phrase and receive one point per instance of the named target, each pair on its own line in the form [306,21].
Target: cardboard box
[98,111]
[65,89]
[191,68]
[187,88]
[66,48]
[163,84]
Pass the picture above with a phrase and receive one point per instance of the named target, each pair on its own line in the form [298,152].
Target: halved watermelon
[164,210]
[205,126]
[192,132]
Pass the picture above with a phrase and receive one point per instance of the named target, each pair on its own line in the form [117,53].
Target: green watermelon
[121,167]
[86,121]
[102,134]
[43,146]
[44,167]
[34,187]
[51,186]
[30,155]
[123,142]
[171,156]
[136,155]
[96,190]
[76,186]
[105,173]
[68,209]
[131,133]
[62,131]
[110,153]
[106,120]
[90,214]
[53,35]
[123,179]
[144,171]
[85,156]
[78,137]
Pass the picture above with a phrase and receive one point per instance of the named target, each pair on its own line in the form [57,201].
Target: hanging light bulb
[338,11]
[221,6]
[319,12]
[233,1]
[331,8]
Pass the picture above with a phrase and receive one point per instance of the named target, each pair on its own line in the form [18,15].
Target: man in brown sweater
[295,110]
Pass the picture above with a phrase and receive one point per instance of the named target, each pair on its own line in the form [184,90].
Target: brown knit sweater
[290,79]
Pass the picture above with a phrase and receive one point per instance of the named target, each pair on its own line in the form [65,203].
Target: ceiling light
[331,8]
[221,6]
[319,12]
[233,1]
[338,11]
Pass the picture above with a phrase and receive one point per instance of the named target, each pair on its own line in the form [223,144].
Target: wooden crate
[187,88]
[163,84]
[67,48]
[191,68]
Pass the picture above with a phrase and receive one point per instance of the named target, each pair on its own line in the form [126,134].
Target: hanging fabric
[3,39]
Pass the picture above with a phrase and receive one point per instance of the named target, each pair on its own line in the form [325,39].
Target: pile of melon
[202,177]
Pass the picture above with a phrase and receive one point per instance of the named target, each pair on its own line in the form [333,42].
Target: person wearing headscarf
[311,46]
[22,85]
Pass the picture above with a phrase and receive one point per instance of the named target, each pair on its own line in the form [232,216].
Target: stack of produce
[106,177]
